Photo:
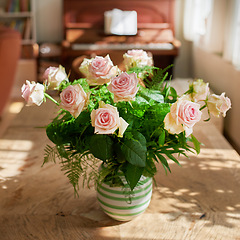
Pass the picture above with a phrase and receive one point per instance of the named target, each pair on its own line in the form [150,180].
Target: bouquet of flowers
[128,120]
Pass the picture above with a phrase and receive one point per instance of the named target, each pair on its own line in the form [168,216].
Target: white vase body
[122,204]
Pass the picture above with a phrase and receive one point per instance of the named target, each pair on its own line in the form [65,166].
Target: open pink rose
[106,120]
[200,90]
[33,93]
[184,114]
[124,87]
[218,104]
[54,76]
[74,99]
[137,58]
[98,70]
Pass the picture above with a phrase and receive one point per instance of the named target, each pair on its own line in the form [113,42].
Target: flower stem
[203,107]
[52,99]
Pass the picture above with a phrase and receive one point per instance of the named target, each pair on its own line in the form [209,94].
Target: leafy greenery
[145,142]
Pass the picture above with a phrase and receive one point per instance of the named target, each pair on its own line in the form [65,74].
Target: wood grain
[199,200]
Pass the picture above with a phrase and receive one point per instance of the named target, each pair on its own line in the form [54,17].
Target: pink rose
[124,87]
[218,104]
[200,90]
[137,58]
[106,120]
[98,70]
[33,93]
[74,99]
[183,116]
[54,76]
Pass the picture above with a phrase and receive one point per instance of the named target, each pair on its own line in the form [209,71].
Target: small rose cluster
[34,93]
[186,111]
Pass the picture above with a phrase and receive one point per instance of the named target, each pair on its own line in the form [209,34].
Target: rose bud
[33,93]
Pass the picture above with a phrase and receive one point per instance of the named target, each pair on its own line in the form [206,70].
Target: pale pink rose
[124,87]
[106,120]
[98,70]
[33,93]
[218,104]
[184,114]
[200,90]
[53,77]
[137,58]
[74,99]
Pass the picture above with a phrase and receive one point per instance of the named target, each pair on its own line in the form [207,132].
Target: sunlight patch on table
[218,154]
[16,107]
[15,145]
[13,154]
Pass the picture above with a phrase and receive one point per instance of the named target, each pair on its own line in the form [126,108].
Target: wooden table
[200,200]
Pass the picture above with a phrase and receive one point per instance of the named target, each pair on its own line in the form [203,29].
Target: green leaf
[171,95]
[172,158]
[101,146]
[132,174]
[139,137]
[83,119]
[150,169]
[152,94]
[161,138]
[196,144]
[119,154]
[163,161]
[135,150]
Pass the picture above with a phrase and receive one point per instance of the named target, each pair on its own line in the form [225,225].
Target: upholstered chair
[10,48]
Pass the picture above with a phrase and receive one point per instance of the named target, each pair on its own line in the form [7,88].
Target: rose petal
[171,126]
[123,126]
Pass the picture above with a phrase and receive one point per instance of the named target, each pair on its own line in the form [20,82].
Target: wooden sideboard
[83,27]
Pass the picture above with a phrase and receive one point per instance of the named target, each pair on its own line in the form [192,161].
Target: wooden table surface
[200,200]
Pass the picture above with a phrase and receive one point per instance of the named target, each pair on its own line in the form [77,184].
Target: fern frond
[90,167]
[50,154]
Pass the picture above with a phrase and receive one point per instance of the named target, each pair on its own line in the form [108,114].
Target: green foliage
[153,77]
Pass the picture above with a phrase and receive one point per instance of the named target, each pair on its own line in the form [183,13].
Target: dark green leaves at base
[135,150]
[133,174]
[101,146]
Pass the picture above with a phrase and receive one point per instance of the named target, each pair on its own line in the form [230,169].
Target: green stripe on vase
[124,197]
[120,190]
[121,206]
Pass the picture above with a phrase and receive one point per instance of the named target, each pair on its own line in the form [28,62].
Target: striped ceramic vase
[123,205]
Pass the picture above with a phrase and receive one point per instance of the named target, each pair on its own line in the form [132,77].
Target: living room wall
[222,77]
[49,21]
